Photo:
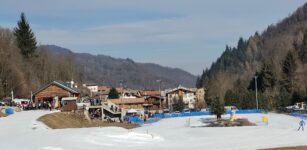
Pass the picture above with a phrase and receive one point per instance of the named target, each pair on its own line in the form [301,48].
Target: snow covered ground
[22,131]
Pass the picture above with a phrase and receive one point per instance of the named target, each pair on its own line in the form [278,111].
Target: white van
[22,102]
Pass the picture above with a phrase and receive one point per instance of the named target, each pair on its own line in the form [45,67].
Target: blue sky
[187,34]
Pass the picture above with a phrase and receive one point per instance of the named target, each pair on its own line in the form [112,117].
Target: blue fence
[200,113]
[156,117]
[299,115]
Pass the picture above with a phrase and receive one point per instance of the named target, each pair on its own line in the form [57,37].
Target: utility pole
[256,91]
[31,97]
[121,86]
[12,94]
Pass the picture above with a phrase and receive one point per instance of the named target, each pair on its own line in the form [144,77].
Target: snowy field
[22,131]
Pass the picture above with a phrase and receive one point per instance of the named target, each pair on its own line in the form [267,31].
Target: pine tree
[217,108]
[113,94]
[231,99]
[199,82]
[25,37]
[267,77]
[303,50]
[284,98]
[288,69]
[178,104]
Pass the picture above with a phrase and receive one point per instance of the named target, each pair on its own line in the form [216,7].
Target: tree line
[25,66]
[277,87]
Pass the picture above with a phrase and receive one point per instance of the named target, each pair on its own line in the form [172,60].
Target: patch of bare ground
[228,123]
[62,120]
[2,115]
[289,148]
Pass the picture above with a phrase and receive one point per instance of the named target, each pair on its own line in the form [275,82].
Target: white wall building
[92,87]
[188,96]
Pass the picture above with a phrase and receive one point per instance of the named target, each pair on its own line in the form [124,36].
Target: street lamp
[256,91]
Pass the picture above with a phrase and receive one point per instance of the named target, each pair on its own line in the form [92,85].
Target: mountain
[106,70]
[231,76]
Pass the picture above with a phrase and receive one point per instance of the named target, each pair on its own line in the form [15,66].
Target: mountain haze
[106,70]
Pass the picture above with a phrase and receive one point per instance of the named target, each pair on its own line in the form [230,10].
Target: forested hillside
[277,56]
[25,74]
[111,71]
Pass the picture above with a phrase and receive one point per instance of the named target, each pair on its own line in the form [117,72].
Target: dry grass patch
[62,120]
[2,114]
[289,148]
[228,123]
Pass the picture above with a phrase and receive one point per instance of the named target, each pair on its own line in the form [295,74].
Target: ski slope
[22,131]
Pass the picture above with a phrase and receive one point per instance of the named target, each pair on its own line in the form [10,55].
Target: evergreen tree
[289,67]
[231,99]
[113,94]
[303,50]
[217,107]
[241,44]
[267,77]
[25,38]
[299,96]
[178,104]
[284,98]
[199,82]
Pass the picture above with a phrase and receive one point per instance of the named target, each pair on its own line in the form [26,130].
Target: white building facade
[188,96]
[92,87]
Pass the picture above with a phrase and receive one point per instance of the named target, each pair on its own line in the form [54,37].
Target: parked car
[205,109]
[24,103]
[186,111]
[166,111]
[6,102]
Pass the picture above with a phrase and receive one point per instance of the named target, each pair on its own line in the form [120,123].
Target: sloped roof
[62,84]
[181,88]
[154,96]
[128,100]
[150,92]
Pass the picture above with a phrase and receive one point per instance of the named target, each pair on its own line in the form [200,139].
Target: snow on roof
[69,98]
[180,88]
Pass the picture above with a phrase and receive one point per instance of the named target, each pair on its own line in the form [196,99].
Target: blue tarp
[9,111]
[134,119]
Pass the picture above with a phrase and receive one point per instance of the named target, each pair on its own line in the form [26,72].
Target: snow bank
[22,131]
[117,136]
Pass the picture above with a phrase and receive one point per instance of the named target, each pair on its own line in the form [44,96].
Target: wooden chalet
[54,89]
[153,103]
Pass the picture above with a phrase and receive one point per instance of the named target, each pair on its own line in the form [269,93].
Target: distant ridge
[111,71]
